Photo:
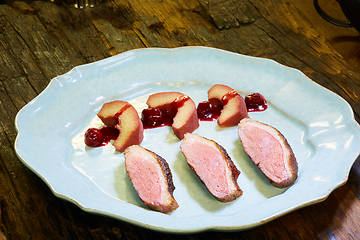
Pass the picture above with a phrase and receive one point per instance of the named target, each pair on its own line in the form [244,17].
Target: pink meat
[212,165]
[269,150]
[151,177]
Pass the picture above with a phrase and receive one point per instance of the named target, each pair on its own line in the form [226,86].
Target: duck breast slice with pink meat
[270,151]
[212,165]
[151,177]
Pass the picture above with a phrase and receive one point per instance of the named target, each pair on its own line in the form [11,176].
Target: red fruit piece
[204,110]
[108,112]
[209,110]
[216,106]
[93,137]
[109,133]
[255,102]
[234,105]
[178,106]
[125,118]
[152,117]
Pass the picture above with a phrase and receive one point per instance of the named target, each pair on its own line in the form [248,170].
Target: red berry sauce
[152,117]
[226,98]
[95,137]
[180,101]
[209,110]
[162,115]
[123,109]
[255,102]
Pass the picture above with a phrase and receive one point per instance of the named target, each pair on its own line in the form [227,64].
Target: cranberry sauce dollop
[255,102]
[162,115]
[209,110]
[95,137]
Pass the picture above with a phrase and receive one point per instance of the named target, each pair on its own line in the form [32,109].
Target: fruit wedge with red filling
[179,107]
[123,116]
[234,107]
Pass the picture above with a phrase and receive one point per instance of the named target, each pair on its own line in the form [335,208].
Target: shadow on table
[346,39]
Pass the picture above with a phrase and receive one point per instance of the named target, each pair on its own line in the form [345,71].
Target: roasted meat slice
[151,177]
[212,165]
[270,151]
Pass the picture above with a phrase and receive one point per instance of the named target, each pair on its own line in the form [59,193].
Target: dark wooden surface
[345,40]
[40,40]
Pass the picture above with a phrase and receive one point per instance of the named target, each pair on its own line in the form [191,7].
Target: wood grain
[40,40]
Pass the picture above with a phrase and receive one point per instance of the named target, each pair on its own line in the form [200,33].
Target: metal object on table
[351,9]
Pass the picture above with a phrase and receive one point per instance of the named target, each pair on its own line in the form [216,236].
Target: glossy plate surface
[318,124]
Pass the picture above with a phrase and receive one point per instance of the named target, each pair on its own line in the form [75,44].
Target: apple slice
[130,127]
[234,105]
[183,108]
[123,116]
[108,111]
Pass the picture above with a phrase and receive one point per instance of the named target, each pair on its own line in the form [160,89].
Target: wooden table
[40,40]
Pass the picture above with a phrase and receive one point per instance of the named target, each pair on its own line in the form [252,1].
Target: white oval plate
[318,124]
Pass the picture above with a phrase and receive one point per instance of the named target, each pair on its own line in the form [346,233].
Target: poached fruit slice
[179,107]
[109,110]
[124,117]
[269,150]
[234,107]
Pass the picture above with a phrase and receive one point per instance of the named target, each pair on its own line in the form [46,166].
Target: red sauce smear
[162,115]
[95,137]
[226,98]
[123,109]
[180,101]
[255,102]
[209,110]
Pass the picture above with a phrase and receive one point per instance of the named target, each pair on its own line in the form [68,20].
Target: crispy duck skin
[211,163]
[151,177]
[270,151]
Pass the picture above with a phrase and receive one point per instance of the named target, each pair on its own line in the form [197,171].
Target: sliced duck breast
[212,165]
[270,151]
[151,177]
